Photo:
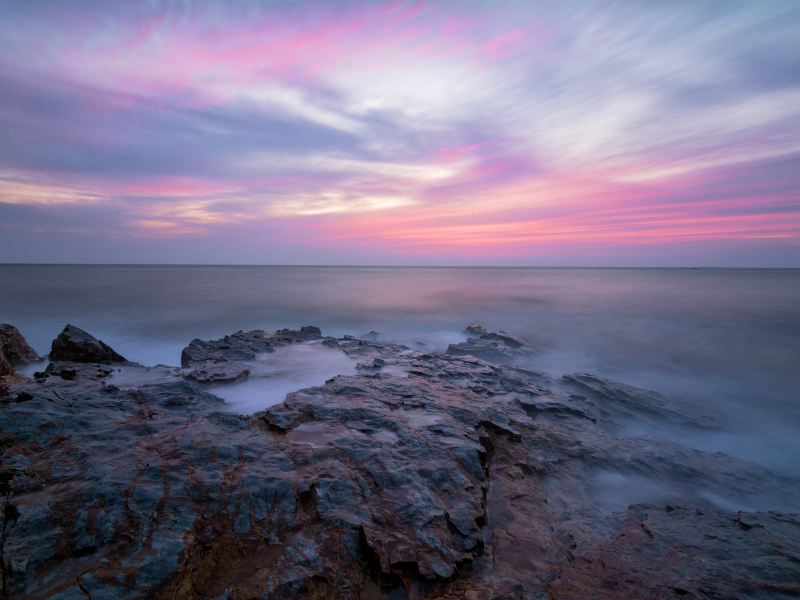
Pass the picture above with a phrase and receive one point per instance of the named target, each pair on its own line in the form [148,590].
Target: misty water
[724,341]
[275,374]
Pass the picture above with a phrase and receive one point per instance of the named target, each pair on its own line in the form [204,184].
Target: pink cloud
[407,127]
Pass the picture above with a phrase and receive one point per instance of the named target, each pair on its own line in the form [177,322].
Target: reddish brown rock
[423,476]
[14,349]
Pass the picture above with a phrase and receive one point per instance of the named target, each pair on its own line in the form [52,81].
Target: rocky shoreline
[424,475]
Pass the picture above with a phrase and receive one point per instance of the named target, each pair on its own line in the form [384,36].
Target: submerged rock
[424,475]
[14,349]
[75,345]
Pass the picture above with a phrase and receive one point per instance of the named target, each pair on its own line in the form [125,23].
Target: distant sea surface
[726,341]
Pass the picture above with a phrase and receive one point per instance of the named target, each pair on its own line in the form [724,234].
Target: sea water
[725,341]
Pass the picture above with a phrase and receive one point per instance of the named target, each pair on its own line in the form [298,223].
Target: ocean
[725,341]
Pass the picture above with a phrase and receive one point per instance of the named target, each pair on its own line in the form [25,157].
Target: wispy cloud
[404,129]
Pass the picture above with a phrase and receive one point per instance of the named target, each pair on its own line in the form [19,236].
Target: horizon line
[379,266]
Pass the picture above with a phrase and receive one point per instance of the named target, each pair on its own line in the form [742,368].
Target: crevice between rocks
[391,584]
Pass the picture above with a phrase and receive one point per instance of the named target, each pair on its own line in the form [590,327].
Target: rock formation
[425,475]
[75,345]
[225,360]
[495,347]
[14,349]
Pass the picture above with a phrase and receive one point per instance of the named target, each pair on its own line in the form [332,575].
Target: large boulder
[14,349]
[75,345]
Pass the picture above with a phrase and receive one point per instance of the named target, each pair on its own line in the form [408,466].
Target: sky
[421,133]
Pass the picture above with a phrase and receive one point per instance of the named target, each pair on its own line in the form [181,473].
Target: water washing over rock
[422,475]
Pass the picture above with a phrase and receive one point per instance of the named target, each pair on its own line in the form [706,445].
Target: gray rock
[226,360]
[475,329]
[492,346]
[244,346]
[75,345]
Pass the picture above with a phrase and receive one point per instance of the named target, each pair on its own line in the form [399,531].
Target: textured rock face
[14,349]
[75,345]
[424,476]
[654,544]
[226,359]
[494,347]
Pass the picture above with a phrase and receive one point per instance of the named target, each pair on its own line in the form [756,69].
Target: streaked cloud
[382,130]
[336,202]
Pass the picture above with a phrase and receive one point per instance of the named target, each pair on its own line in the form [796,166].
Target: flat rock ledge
[425,475]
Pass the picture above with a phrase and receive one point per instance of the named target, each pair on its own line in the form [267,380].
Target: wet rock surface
[425,475]
[492,346]
[227,359]
[75,345]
